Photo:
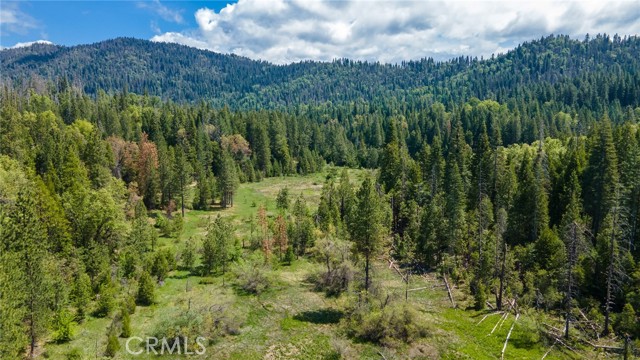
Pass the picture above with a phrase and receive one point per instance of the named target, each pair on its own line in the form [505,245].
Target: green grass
[292,321]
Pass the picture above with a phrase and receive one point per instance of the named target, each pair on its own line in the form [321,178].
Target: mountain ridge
[185,74]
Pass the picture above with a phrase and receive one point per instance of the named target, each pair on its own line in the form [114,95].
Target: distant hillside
[552,68]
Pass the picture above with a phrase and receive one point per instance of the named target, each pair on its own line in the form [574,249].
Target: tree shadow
[322,316]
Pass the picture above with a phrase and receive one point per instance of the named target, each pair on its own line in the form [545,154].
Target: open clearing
[292,321]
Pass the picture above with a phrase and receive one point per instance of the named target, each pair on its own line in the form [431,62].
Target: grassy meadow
[292,321]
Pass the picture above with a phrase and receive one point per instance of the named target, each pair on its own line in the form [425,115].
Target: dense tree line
[535,197]
[589,72]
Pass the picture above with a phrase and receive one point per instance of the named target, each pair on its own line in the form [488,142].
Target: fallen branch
[606,348]
[590,323]
[509,335]
[420,288]
[502,318]
[453,303]
[558,340]
[489,305]
[494,313]
[395,267]
[551,347]
[502,323]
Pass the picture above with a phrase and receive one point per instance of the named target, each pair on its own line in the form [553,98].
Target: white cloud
[284,31]
[14,21]
[161,10]
[29,43]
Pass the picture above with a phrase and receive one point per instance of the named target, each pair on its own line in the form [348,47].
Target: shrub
[75,354]
[126,324]
[113,345]
[177,225]
[336,281]
[252,275]
[64,327]
[289,256]
[130,304]
[164,225]
[388,326]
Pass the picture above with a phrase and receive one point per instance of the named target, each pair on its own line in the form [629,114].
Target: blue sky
[81,22]
[284,31]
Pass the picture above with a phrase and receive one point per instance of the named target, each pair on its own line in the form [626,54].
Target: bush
[214,322]
[289,256]
[130,304]
[388,326]
[252,275]
[177,225]
[64,327]
[75,354]
[336,281]
[164,225]
[113,345]
[126,324]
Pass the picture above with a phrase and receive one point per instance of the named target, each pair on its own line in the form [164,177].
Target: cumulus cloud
[284,31]
[161,10]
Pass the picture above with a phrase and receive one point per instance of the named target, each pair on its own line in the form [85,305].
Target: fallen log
[508,336]
[548,351]
[420,288]
[502,319]
[494,313]
[489,305]
[453,303]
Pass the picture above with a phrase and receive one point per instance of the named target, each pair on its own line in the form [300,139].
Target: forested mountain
[517,178]
[553,68]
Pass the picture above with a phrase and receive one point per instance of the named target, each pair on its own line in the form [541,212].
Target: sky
[285,31]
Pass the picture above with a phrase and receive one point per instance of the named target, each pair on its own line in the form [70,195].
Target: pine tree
[182,170]
[280,237]
[328,210]
[367,226]
[188,255]
[81,294]
[601,176]
[574,233]
[146,290]
[454,209]
[434,174]
[113,345]
[126,322]
[346,196]
[282,200]
[24,240]
[218,245]
[227,179]
[13,337]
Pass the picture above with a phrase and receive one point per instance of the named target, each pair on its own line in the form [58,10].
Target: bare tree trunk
[366,273]
[182,196]
[502,275]
[608,300]
[568,297]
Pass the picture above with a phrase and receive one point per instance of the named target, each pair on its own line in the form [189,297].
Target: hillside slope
[555,67]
